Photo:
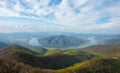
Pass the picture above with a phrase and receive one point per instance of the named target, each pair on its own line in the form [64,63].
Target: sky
[81,16]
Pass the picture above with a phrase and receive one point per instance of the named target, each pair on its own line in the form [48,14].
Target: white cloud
[6,12]
[111,26]
[77,3]
[80,14]
[18,7]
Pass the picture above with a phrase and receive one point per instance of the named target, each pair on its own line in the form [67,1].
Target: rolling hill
[96,65]
[50,61]
[109,40]
[15,59]
[109,50]
[60,41]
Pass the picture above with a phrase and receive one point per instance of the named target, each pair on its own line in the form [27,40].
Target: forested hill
[61,41]
[17,59]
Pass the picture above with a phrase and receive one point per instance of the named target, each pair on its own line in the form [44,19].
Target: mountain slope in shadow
[60,41]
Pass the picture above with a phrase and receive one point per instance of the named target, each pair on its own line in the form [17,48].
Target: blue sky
[82,16]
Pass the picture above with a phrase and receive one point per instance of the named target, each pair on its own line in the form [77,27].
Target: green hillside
[53,59]
[39,50]
[109,50]
[97,65]
[17,59]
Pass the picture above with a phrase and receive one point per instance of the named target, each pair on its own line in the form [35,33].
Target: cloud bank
[69,15]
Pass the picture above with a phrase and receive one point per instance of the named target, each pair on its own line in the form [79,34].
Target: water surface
[92,41]
[34,42]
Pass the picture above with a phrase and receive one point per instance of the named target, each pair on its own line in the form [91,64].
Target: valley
[59,36]
[59,61]
[83,54]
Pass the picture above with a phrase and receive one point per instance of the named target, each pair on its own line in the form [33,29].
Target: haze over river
[34,42]
[92,41]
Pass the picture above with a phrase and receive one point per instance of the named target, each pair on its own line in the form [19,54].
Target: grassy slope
[108,50]
[71,61]
[96,65]
[53,59]
[39,50]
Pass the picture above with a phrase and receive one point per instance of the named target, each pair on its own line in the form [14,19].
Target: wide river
[92,41]
[34,42]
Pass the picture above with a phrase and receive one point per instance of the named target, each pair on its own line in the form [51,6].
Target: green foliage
[71,52]
[15,67]
[106,50]
[53,52]
[53,59]
[39,51]
[17,59]
[97,65]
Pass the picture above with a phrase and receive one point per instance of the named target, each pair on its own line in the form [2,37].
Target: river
[92,41]
[34,42]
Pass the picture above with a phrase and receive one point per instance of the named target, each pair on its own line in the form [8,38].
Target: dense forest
[59,36]
[17,59]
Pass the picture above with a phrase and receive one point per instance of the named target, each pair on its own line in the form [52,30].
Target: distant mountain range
[113,41]
[51,39]
[109,40]
[61,41]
